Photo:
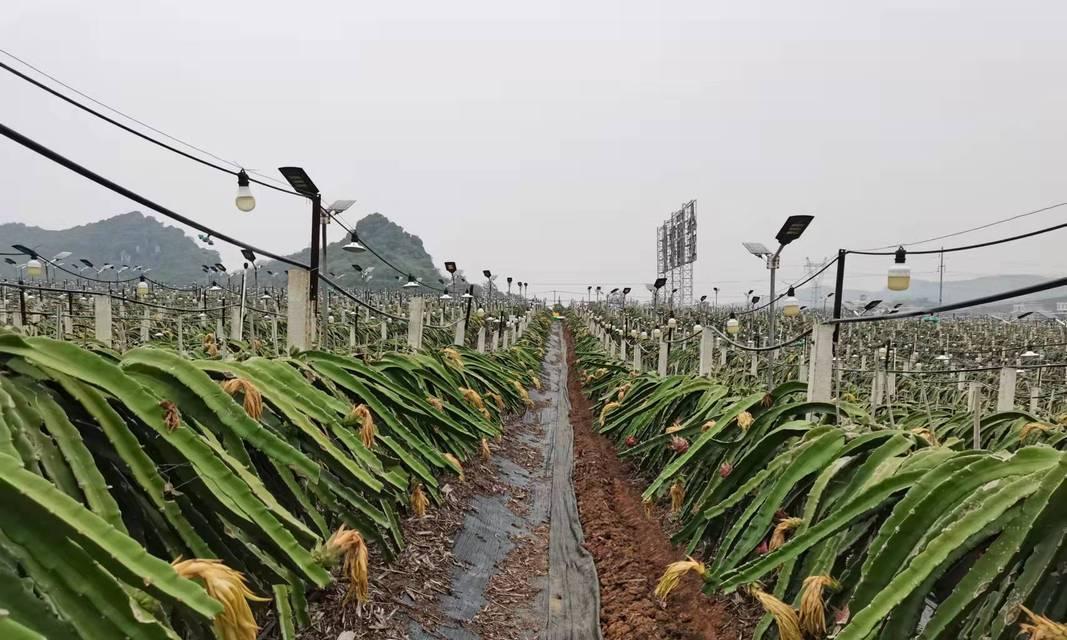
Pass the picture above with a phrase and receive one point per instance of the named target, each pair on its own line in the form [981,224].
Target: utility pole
[941,279]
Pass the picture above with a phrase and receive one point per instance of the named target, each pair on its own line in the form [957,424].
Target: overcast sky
[546,140]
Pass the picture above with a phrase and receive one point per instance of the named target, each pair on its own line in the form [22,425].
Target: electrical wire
[793,286]
[773,347]
[359,302]
[128,129]
[351,230]
[971,230]
[996,297]
[104,182]
[968,247]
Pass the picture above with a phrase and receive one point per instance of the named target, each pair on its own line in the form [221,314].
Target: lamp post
[792,229]
[656,286]
[302,184]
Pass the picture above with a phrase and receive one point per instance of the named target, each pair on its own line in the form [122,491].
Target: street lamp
[656,286]
[793,228]
[300,182]
[353,245]
[245,201]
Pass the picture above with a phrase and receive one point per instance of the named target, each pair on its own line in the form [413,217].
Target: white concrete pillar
[415,317]
[236,325]
[461,333]
[481,339]
[146,325]
[707,352]
[101,318]
[298,329]
[821,366]
[637,358]
[1034,393]
[1006,392]
[661,366]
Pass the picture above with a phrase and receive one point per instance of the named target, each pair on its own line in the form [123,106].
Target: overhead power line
[137,133]
[104,182]
[966,231]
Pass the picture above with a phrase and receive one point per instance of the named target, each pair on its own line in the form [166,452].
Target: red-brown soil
[631,550]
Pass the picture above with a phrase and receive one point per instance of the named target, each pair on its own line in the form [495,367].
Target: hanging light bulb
[33,268]
[697,328]
[644,335]
[1029,354]
[411,283]
[672,322]
[656,333]
[445,296]
[353,245]
[732,325]
[480,312]
[633,333]
[245,201]
[214,286]
[900,273]
[791,306]
[142,288]
[466,296]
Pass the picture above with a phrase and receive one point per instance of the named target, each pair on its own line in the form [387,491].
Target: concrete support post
[461,333]
[878,389]
[146,325]
[707,352]
[1006,392]
[298,329]
[1035,392]
[622,349]
[181,338]
[661,366]
[821,366]
[802,368]
[415,317]
[101,318]
[481,339]
[237,325]
[637,358]
[492,342]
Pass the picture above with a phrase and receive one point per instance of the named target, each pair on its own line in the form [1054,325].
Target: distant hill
[388,239]
[130,238]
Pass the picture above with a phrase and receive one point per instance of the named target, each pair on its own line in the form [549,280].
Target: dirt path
[631,550]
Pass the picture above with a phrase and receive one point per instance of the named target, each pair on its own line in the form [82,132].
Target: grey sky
[545,140]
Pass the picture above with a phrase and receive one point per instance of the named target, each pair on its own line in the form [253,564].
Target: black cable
[972,229]
[744,347]
[359,302]
[794,286]
[968,247]
[996,297]
[374,253]
[138,133]
[97,178]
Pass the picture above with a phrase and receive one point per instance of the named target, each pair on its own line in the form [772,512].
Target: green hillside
[388,239]
[127,239]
